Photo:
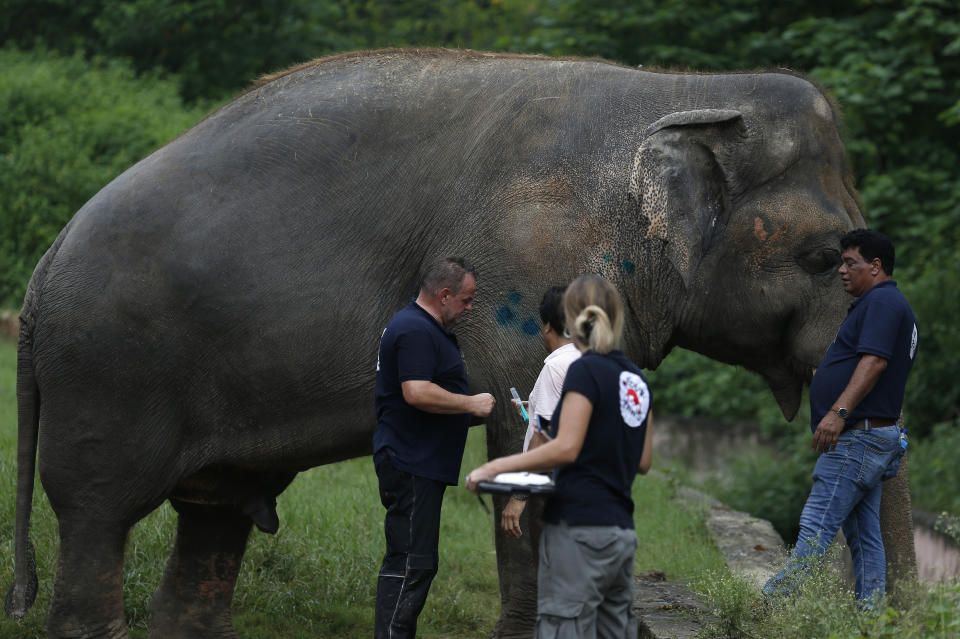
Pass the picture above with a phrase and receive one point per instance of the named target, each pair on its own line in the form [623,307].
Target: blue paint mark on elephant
[530,327]
[607,257]
[515,297]
[629,266]
[505,315]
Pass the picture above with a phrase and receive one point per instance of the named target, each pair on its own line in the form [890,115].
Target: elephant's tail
[23,592]
[24,589]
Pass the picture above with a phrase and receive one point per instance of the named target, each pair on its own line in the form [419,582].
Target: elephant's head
[745,205]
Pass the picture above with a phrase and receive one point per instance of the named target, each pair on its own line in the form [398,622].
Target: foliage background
[87,88]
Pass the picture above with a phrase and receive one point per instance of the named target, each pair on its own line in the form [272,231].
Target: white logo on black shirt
[913,342]
[634,399]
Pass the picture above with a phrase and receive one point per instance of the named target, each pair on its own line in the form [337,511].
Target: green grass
[317,576]
[825,608]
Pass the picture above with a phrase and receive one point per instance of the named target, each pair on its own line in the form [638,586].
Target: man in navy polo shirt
[856,398]
[423,407]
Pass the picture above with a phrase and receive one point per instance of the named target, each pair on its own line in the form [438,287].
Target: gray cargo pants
[585,583]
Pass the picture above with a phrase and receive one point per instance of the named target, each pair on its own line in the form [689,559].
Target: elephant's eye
[820,260]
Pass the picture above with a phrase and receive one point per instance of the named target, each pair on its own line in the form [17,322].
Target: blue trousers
[846,493]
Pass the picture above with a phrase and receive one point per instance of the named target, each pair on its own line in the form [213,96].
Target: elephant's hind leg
[194,596]
[88,590]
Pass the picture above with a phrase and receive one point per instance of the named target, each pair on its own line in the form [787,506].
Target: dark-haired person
[602,439]
[423,408]
[856,397]
[546,390]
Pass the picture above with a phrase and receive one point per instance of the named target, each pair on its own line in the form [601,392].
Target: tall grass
[317,576]
[823,607]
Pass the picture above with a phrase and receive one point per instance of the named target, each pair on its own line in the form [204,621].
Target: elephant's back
[304,208]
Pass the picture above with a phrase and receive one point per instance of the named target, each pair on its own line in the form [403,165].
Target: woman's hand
[510,519]
[484,473]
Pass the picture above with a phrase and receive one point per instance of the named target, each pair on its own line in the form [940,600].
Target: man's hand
[430,398]
[827,433]
[516,406]
[862,381]
[510,519]
[482,404]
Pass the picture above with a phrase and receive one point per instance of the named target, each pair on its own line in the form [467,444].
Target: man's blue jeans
[846,492]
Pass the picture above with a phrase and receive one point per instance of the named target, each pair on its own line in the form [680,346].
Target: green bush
[933,395]
[67,127]
[689,384]
[934,471]
[772,485]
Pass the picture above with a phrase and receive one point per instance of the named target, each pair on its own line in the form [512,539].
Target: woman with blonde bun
[602,440]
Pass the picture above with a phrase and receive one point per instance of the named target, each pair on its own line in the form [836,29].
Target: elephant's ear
[679,183]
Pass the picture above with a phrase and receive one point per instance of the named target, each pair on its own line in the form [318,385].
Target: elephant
[206,326]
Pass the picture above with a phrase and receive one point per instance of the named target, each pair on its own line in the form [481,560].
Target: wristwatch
[842,413]
[519,496]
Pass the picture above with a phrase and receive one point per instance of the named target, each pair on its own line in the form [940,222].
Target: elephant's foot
[175,619]
[66,629]
[193,599]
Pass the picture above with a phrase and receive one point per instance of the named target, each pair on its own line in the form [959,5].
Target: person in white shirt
[546,390]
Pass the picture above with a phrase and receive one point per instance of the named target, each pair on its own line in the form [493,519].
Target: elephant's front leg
[517,561]
[194,597]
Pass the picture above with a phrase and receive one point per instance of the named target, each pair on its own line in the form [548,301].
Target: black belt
[870,422]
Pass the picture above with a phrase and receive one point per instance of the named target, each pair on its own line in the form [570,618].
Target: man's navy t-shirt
[594,490]
[414,346]
[880,322]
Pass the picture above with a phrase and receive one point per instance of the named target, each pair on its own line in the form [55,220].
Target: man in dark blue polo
[423,407]
[856,398]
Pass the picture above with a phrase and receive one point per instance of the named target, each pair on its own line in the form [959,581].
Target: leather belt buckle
[862,424]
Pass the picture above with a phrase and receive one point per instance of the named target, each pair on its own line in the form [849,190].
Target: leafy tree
[67,127]
[216,46]
[219,46]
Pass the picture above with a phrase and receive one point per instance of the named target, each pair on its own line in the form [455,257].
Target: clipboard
[543,486]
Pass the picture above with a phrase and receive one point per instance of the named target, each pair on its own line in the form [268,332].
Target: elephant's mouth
[786,383]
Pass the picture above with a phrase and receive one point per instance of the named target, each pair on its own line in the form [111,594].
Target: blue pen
[516,396]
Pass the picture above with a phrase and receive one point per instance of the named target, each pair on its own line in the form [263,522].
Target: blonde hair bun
[597,313]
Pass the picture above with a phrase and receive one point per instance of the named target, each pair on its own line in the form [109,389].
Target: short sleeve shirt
[414,346]
[546,390]
[594,490]
[880,322]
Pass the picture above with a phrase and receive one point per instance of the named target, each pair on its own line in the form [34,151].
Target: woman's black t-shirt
[594,490]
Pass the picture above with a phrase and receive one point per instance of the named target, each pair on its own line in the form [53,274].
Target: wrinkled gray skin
[207,325]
